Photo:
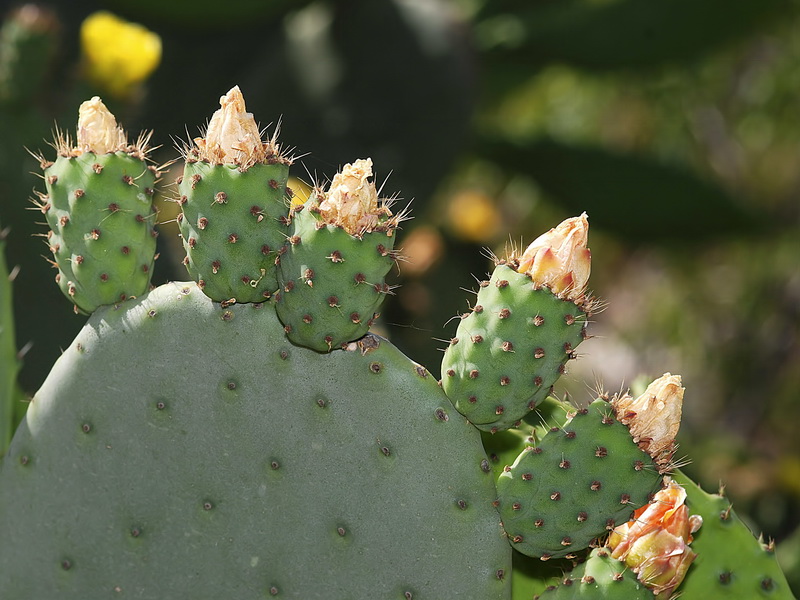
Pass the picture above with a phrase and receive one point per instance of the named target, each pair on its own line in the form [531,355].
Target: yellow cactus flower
[655,543]
[118,55]
[473,216]
[559,259]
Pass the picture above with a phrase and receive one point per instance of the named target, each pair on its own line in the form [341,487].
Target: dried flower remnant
[654,417]
[97,130]
[559,258]
[351,201]
[655,543]
[232,136]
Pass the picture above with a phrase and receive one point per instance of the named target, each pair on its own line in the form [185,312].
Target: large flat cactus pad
[181,449]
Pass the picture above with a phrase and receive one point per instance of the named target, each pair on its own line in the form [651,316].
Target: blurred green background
[672,123]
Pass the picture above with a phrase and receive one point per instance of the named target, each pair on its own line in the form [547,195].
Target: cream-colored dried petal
[97,129]
[351,201]
[232,136]
[560,259]
[654,417]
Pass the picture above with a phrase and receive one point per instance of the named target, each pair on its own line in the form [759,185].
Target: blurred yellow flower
[118,55]
[473,216]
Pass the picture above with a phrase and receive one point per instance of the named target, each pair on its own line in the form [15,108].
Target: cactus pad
[509,350]
[282,472]
[599,577]
[581,480]
[731,562]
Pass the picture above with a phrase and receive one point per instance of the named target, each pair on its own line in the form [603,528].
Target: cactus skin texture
[281,473]
[100,212]
[233,224]
[510,350]
[331,283]
[576,484]
[731,562]
[599,577]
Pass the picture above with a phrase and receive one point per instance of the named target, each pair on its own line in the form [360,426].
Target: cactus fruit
[332,276]
[100,211]
[234,208]
[282,470]
[525,325]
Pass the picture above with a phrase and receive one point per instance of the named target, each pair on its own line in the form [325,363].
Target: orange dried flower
[655,544]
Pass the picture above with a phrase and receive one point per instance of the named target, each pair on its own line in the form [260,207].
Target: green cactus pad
[281,471]
[731,562]
[99,209]
[233,224]
[510,350]
[599,577]
[331,283]
[578,483]
[503,447]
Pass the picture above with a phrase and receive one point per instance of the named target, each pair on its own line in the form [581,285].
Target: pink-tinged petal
[559,258]
[655,544]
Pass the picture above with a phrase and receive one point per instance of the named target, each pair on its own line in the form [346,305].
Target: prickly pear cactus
[244,435]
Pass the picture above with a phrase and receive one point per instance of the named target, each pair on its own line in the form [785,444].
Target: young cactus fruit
[234,210]
[586,476]
[100,211]
[526,323]
[332,277]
